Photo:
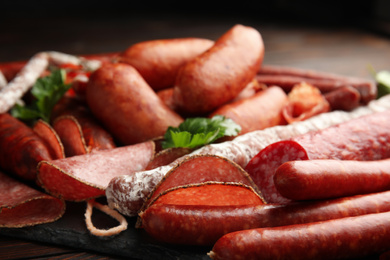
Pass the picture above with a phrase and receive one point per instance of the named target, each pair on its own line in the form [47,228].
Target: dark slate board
[71,231]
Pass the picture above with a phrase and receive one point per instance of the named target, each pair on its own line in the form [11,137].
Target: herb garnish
[199,131]
[47,91]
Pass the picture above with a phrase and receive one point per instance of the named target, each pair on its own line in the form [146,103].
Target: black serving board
[71,231]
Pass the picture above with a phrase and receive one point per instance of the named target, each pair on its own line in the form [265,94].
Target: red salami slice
[137,186]
[94,135]
[208,168]
[209,194]
[21,205]
[365,138]
[50,136]
[167,156]
[71,135]
[86,176]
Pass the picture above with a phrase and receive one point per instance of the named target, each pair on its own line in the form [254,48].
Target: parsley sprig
[382,78]
[199,131]
[47,91]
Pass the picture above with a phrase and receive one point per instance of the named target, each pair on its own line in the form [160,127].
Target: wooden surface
[345,48]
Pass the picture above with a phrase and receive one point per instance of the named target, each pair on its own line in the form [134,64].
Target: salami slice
[71,135]
[86,176]
[93,133]
[208,168]
[240,150]
[51,138]
[365,138]
[22,205]
[209,194]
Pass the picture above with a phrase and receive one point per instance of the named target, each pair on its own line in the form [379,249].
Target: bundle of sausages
[103,139]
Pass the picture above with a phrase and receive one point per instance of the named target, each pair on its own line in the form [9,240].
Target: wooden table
[340,48]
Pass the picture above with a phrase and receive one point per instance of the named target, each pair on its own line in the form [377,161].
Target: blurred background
[89,27]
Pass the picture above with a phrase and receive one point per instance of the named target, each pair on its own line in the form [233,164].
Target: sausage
[262,110]
[86,176]
[345,238]
[21,149]
[219,74]
[204,225]
[364,138]
[322,179]
[344,98]
[287,77]
[127,106]
[158,61]
[22,206]
[136,187]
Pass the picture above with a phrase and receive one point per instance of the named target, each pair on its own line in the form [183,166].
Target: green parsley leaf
[383,80]
[199,131]
[47,91]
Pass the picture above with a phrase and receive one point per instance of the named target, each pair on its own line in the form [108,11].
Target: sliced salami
[86,176]
[208,168]
[22,205]
[364,138]
[209,195]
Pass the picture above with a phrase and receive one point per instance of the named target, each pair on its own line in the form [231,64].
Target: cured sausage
[47,133]
[364,138]
[262,110]
[344,98]
[322,179]
[21,149]
[219,74]
[287,77]
[205,224]
[345,238]
[127,106]
[241,150]
[21,205]
[86,176]
[158,61]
